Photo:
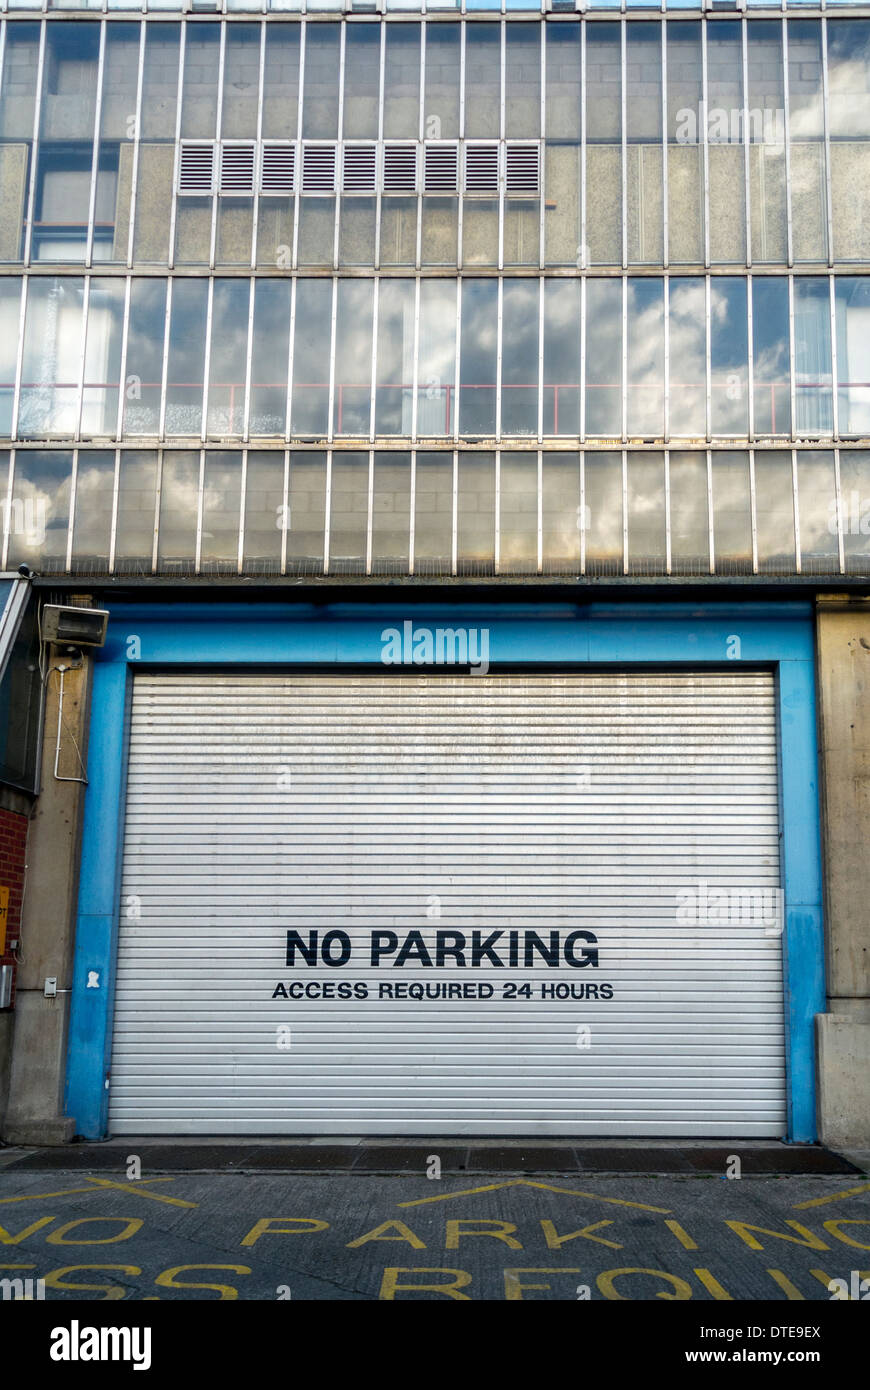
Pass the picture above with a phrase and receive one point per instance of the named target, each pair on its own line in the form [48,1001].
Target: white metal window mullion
[498,356]
[665,228]
[374,362]
[582,516]
[415,360]
[705,152]
[249,355]
[199,510]
[454,544]
[290,346]
[583,283]
[625,511]
[787,141]
[710,528]
[286,518]
[412,517]
[34,153]
[116,493]
[421,129]
[792,363]
[122,369]
[7,518]
[95,153]
[158,494]
[297,161]
[829,207]
[497,517]
[71,520]
[212,251]
[540,469]
[19,355]
[623,163]
[458,365]
[327,511]
[583,249]
[750,364]
[502,155]
[206,369]
[173,214]
[708,372]
[167,324]
[261,88]
[339,152]
[624,329]
[240,557]
[753,511]
[370,511]
[747,164]
[137,143]
[838,494]
[797,512]
[541,360]
[542,196]
[80,383]
[460,154]
[835,372]
[667,456]
[332,318]
[666,403]
[379,174]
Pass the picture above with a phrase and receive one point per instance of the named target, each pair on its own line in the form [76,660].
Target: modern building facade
[464,416]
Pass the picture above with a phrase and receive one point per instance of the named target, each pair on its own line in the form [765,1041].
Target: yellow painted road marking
[544,1187]
[137,1188]
[832,1197]
[44,1196]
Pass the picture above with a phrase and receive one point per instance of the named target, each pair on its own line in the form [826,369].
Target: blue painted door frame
[559,635]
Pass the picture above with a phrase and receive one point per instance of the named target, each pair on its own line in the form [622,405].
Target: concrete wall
[34,1113]
[843,637]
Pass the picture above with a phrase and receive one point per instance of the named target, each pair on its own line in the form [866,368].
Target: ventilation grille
[359,169]
[318,169]
[400,169]
[237,168]
[481,169]
[278,169]
[196,168]
[522,171]
[441,168]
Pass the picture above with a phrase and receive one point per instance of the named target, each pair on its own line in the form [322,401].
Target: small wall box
[78,627]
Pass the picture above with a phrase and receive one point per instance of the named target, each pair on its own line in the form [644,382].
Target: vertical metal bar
[502,128]
[753,511]
[498,356]
[835,371]
[625,511]
[540,461]
[583,283]
[829,207]
[330,431]
[705,153]
[542,207]
[793,364]
[218,132]
[412,518]
[167,326]
[19,354]
[137,142]
[750,365]
[370,511]
[95,153]
[288,418]
[841,553]
[34,154]
[158,494]
[623,187]
[327,515]
[199,506]
[80,384]
[116,494]
[339,154]
[787,141]
[624,430]
[379,176]
[173,214]
[667,511]
[797,513]
[582,512]
[665,227]
[374,363]
[707,358]
[249,353]
[421,131]
[7,519]
[458,368]
[666,414]
[243,495]
[711,535]
[206,366]
[286,518]
[261,96]
[747,165]
[540,359]
[584,245]
[297,202]
[497,517]
[454,561]
[71,520]
[415,365]
[461,150]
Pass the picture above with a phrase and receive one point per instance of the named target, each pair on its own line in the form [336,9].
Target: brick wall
[13,837]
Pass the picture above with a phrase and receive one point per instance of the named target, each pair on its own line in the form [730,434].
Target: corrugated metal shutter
[259,804]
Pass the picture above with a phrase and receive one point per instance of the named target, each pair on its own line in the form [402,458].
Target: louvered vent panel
[237,168]
[278,169]
[523,171]
[318,169]
[400,169]
[481,169]
[441,168]
[358,171]
[196,168]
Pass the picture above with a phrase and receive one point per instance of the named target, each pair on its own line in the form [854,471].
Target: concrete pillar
[34,1114]
[843,647]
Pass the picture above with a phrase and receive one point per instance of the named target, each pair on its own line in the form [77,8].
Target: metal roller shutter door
[257,804]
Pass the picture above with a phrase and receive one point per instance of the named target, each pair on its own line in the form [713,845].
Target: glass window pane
[115,159]
[523,80]
[69,83]
[184,378]
[17,90]
[647,553]
[306,517]
[395,365]
[229,336]
[519,361]
[729,338]
[690,528]
[137,495]
[518,514]
[433,514]
[92,525]
[732,513]
[241,88]
[725,154]
[482,80]
[39,523]
[849,86]
[316,231]
[269,357]
[685,144]
[478,357]
[310,406]
[770,355]
[179,505]
[441,104]
[281,82]
[767,141]
[602,513]
[199,100]
[564,91]
[812,350]
[402,82]
[646,357]
[437,358]
[475,514]
[320,101]
[144,369]
[356,230]
[562,205]
[157,146]
[603,144]
[817,506]
[103,357]
[10,295]
[853,354]
[855,507]
[391,514]
[561,519]
[52,357]
[561,357]
[264,513]
[806,133]
[604,357]
[348,513]
[774,513]
[221,502]
[644,210]
[362,67]
[687,395]
[353,357]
